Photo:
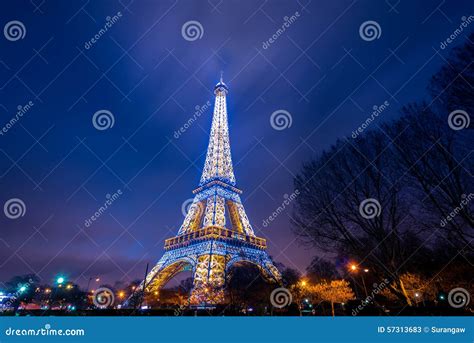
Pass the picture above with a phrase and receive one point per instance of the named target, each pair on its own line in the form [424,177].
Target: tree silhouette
[320,270]
[415,172]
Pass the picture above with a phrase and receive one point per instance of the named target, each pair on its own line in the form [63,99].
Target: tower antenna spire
[222,76]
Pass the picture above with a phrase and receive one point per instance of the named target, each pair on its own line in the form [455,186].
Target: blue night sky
[151,79]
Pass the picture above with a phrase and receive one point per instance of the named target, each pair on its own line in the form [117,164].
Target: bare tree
[453,85]
[437,168]
[320,270]
[416,173]
[338,192]
[435,152]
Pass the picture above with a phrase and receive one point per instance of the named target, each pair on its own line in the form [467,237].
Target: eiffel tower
[216,232]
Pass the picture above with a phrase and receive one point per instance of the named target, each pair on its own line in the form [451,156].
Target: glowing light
[22,289]
[366,270]
[353,267]
[60,280]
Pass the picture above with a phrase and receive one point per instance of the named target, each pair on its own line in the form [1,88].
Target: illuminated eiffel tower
[216,233]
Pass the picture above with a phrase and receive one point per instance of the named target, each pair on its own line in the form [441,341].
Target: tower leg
[209,279]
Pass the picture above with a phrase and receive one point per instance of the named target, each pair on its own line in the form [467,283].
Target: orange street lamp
[121,294]
[353,267]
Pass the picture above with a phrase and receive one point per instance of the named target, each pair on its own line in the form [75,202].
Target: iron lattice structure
[216,232]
